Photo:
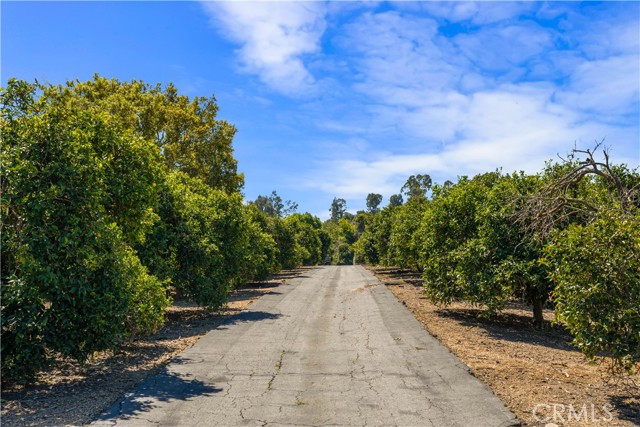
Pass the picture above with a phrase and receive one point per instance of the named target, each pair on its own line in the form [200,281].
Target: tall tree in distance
[338,209]
[395,200]
[416,186]
[373,201]
[274,206]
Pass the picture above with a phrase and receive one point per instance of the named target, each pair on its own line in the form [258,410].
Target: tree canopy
[274,206]
[338,209]
[115,197]
[566,237]
[373,201]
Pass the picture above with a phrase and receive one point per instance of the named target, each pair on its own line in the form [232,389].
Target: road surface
[331,348]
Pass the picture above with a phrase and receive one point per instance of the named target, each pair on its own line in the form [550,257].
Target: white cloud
[274,38]
[503,48]
[400,51]
[402,97]
[448,115]
[479,12]
[614,31]
[608,87]
[515,126]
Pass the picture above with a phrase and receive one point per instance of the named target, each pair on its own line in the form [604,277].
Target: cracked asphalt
[332,348]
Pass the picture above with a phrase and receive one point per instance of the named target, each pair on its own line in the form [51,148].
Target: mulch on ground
[74,394]
[528,368]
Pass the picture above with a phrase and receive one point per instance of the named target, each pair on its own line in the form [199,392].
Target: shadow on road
[164,387]
[248,316]
[72,393]
[278,279]
[251,293]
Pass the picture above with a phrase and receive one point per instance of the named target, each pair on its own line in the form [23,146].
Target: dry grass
[523,365]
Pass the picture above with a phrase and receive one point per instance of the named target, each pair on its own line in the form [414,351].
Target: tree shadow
[108,376]
[512,327]
[397,276]
[628,407]
[273,282]
[248,316]
[277,279]
[155,390]
[503,325]
[251,293]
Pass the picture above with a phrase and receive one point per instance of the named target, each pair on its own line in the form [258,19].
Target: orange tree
[77,194]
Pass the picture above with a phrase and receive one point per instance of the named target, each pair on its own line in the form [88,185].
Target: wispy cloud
[510,94]
[608,87]
[514,126]
[445,88]
[478,13]
[505,48]
[274,37]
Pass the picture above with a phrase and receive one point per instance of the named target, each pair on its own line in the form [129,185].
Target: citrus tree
[72,208]
[596,268]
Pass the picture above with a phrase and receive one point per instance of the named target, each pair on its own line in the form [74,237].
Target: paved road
[332,348]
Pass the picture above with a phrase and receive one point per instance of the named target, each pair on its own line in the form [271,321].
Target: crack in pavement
[277,371]
[335,348]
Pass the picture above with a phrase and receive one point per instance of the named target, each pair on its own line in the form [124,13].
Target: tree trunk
[538,318]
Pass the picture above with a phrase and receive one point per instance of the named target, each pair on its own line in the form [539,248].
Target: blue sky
[347,98]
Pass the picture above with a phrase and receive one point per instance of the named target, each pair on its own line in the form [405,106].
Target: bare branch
[553,206]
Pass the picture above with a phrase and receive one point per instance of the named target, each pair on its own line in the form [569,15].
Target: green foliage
[342,235]
[364,250]
[325,239]
[416,186]
[373,245]
[373,201]
[345,235]
[308,241]
[474,250]
[112,192]
[347,231]
[395,200]
[403,250]
[299,239]
[446,241]
[360,221]
[514,255]
[261,256]
[274,206]
[596,268]
[338,209]
[203,241]
[343,254]
[187,131]
[285,237]
[72,210]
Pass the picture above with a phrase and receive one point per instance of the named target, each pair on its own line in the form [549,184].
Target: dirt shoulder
[73,394]
[528,369]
